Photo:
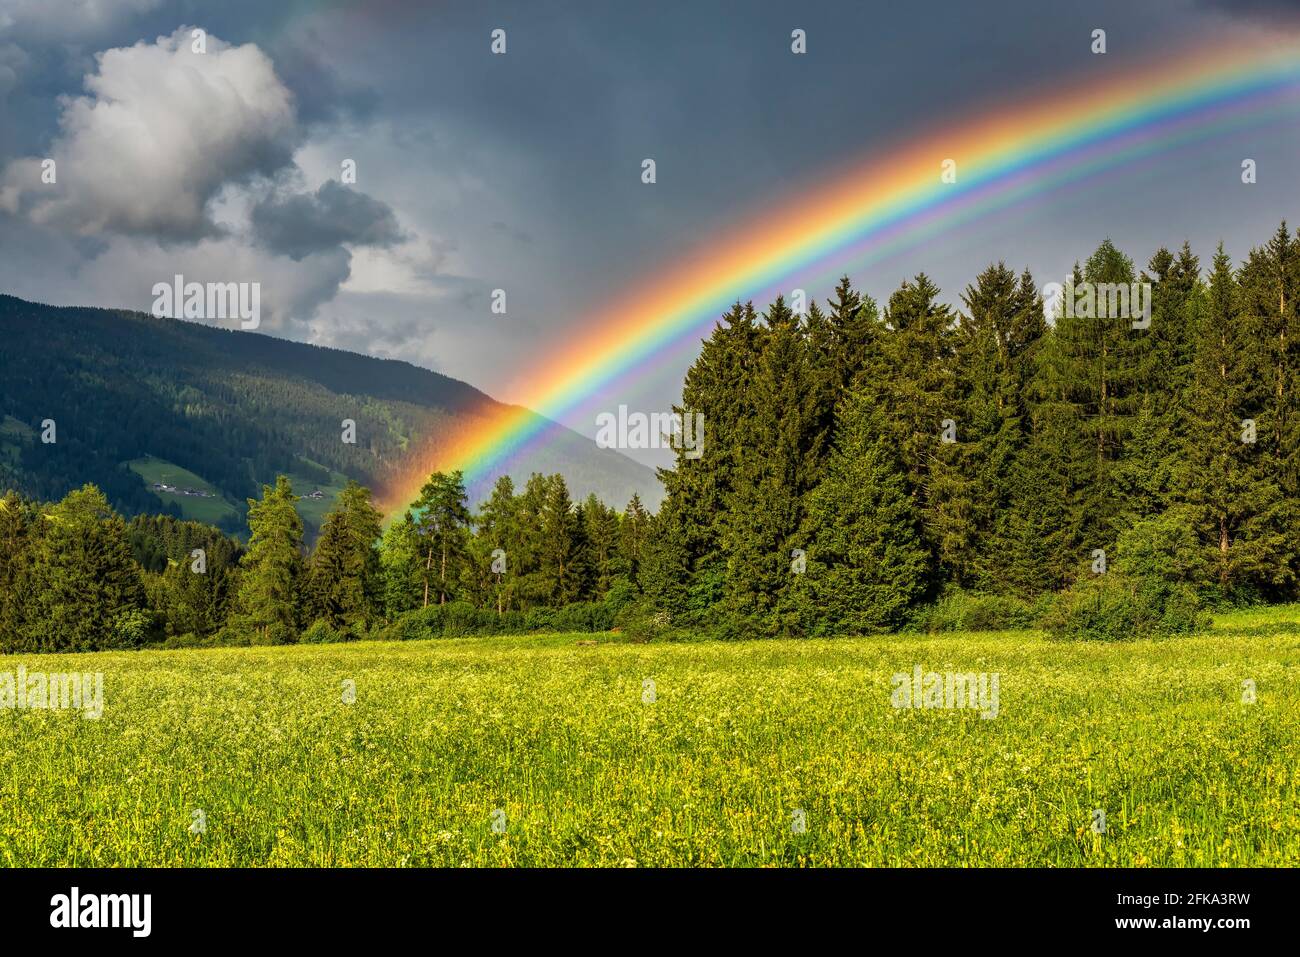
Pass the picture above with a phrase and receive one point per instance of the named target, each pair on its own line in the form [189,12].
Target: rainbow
[867,210]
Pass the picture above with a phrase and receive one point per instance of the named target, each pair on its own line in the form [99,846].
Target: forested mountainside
[234,409]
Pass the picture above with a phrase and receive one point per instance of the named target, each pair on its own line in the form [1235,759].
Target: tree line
[863,462]
[76,576]
[861,466]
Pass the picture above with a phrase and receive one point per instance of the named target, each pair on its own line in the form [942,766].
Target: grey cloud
[1267,10]
[160,132]
[305,223]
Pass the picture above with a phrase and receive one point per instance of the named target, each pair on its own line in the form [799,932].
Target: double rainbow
[868,210]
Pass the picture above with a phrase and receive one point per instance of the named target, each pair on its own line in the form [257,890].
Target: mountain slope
[234,408]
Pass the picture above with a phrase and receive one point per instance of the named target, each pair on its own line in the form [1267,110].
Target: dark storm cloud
[305,223]
[1265,10]
[522,171]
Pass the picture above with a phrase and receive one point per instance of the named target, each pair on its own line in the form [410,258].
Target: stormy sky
[476,171]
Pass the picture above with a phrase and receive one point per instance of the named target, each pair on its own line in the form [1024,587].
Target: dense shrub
[458,619]
[321,632]
[1163,548]
[187,640]
[1119,607]
[641,621]
[971,611]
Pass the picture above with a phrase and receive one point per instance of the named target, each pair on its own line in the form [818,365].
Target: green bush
[641,621]
[321,632]
[459,619]
[960,610]
[1118,607]
[187,640]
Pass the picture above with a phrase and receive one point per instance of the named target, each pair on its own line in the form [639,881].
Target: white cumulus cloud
[161,130]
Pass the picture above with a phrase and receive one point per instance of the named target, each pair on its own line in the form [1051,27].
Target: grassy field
[313,510]
[13,435]
[562,746]
[210,510]
[213,510]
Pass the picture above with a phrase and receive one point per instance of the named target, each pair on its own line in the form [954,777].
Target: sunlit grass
[739,736]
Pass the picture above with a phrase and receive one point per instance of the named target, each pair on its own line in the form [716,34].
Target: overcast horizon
[522,172]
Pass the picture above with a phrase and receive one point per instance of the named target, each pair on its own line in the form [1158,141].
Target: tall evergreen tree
[344,584]
[634,530]
[80,590]
[500,532]
[865,561]
[602,534]
[1238,506]
[271,569]
[701,486]
[1269,288]
[402,564]
[764,510]
[563,564]
[442,523]
[1095,371]
[997,347]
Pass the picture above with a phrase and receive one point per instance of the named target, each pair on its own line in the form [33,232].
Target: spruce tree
[1095,371]
[562,550]
[1269,288]
[997,346]
[764,510]
[865,560]
[1238,508]
[81,589]
[701,486]
[442,520]
[602,533]
[633,532]
[344,583]
[402,566]
[271,569]
[500,532]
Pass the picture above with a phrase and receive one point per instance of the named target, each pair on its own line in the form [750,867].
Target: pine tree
[344,583]
[1237,505]
[865,561]
[442,523]
[764,510]
[80,590]
[402,566]
[271,569]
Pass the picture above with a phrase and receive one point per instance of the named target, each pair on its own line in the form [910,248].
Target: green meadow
[553,751]
[211,509]
[215,508]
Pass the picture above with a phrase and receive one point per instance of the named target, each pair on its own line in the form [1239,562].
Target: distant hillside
[135,398]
